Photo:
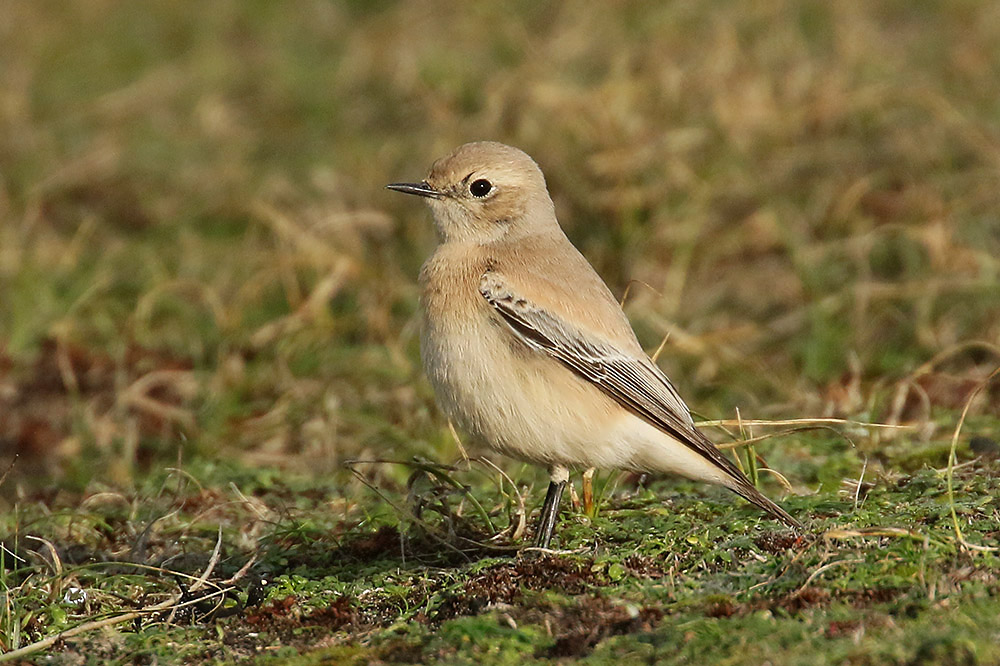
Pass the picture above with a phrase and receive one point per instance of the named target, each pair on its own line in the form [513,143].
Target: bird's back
[550,272]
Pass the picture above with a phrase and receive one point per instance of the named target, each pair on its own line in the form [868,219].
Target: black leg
[550,511]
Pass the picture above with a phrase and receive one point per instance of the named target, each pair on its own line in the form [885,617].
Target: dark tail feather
[754,496]
[740,484]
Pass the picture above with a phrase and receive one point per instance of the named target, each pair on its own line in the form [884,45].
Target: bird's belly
[521,402]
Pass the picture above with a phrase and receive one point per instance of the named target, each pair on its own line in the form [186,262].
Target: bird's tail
[738,482]
[745,489]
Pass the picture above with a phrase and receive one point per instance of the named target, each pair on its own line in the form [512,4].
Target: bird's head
[483,192]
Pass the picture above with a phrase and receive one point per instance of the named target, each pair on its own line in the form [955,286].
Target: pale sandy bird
[528,350]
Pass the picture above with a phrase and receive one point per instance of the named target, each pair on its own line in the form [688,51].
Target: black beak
[420,189]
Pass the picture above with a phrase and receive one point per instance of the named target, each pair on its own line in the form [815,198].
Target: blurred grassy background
[196,251]
[208,304]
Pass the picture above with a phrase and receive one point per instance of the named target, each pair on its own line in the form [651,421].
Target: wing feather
[635,383]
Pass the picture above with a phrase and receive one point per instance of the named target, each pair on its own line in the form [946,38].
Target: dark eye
[480,188]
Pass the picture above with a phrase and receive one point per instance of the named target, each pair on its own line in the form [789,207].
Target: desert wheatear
[528,350]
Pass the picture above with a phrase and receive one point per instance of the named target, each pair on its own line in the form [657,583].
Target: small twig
[8,470]
[5,551]
[242,572]
[134,565]
[212,561]
[85,627]
[184,473]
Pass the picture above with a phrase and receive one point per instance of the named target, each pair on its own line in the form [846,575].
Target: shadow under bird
[528,350]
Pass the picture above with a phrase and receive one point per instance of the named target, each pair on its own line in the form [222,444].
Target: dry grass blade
[959,537]
[458,442]
[810,421]
[520,514]
[843,533]
[816,574]
[860,484]
[430,529]
[799,555]
[440,472]
[137,395]
[588,491]
[53,553]
[781,433]
[314,304]
[146,304]
[782,479]
[954,350]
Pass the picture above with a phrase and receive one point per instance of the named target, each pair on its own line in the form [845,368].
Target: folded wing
[634,383]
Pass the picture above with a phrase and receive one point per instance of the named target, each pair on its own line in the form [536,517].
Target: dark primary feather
[635,383]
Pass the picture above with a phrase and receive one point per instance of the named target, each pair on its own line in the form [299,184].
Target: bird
[528,350]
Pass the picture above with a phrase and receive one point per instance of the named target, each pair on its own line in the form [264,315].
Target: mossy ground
[208,310]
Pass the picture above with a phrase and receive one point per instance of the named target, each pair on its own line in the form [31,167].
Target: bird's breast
[513,398]
[464,352]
